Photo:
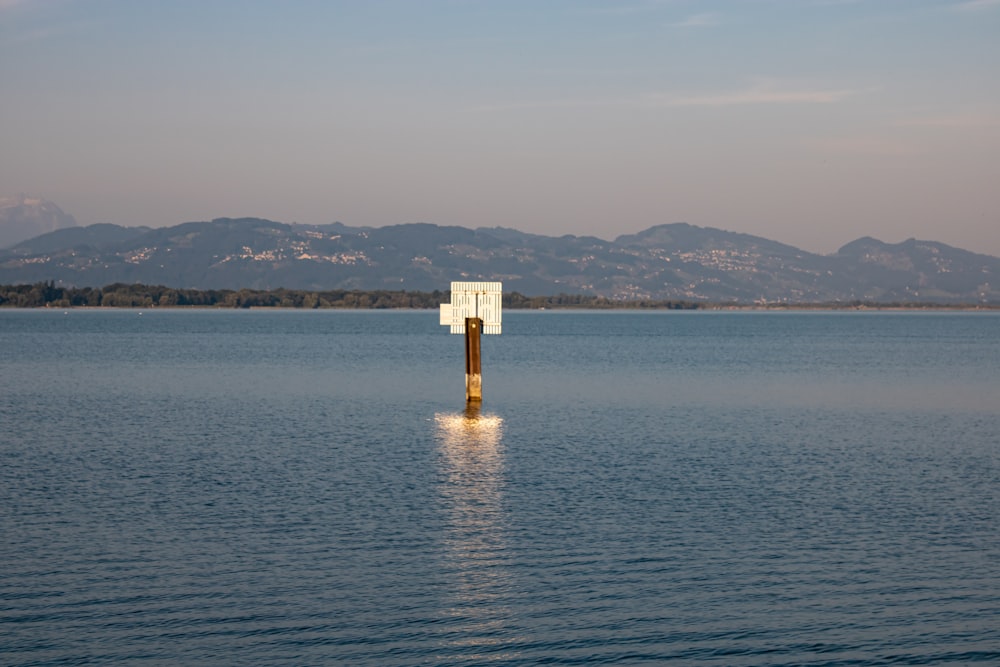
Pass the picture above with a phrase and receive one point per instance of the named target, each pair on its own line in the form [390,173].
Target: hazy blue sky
[812,122]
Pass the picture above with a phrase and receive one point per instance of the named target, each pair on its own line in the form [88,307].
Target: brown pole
[473,360]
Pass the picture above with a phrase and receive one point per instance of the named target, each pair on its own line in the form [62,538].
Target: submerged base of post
[473,360]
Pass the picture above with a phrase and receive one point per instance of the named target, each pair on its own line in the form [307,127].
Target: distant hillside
[666,262]
[23,217]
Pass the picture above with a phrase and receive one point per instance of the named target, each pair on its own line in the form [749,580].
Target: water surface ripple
[288,488]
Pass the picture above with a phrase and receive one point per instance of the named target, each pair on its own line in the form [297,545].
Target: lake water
[292,488]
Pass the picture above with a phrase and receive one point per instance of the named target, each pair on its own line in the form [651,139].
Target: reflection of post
[473,360]
[477,626]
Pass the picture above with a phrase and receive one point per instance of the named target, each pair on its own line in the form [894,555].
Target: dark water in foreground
[205,487]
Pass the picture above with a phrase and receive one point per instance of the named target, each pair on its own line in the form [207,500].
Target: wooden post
[479,305]
[473,360]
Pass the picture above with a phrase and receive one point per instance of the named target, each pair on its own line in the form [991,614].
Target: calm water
[222,488]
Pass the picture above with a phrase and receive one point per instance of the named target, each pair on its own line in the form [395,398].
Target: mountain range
[667,262]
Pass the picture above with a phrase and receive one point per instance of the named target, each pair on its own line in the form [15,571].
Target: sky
[811,122]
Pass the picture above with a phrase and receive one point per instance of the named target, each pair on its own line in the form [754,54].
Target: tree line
[121,295]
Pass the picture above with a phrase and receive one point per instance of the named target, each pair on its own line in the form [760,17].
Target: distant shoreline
[707,307]
[119,295]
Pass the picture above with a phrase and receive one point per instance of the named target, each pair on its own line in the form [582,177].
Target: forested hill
[672,262]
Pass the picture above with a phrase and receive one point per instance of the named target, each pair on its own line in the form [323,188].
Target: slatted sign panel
[481,300]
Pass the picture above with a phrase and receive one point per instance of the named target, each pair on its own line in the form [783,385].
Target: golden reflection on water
[471,444]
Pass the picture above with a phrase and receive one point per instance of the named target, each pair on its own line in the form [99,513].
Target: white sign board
[480,300]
